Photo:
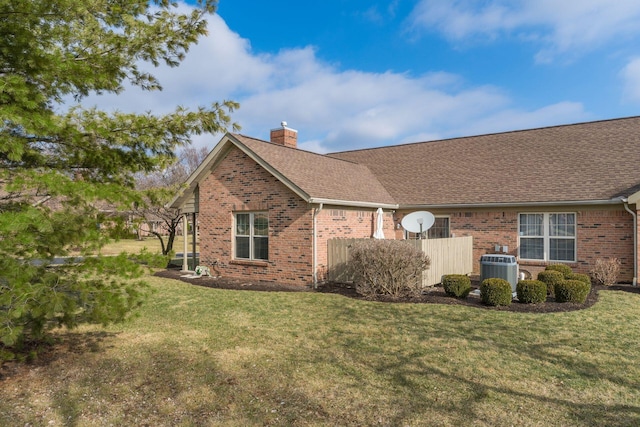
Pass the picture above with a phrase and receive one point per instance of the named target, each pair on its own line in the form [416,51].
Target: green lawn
[205,357]
[152,244]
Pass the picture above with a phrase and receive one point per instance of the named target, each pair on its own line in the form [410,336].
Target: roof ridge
[297,166]
[457,138]
[298,150]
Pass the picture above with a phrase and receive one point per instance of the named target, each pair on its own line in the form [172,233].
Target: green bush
[572,291]
[581,277]
[456,285]
[551,278]
[387,268]
[531,291]
[562,268]
[495,292]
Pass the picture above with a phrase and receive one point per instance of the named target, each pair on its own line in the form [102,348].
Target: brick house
[557,194]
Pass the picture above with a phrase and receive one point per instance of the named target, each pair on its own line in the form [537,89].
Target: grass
[205,357]
[152,244]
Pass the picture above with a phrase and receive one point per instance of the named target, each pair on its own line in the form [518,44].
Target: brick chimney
[284,136]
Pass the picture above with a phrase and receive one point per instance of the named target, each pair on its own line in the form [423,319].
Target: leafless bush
[387,267]
[606,271]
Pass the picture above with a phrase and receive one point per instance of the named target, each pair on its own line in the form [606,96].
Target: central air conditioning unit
[499,266]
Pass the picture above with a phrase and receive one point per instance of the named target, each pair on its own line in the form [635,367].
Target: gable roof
[314,177]
[320,178]
[587,162]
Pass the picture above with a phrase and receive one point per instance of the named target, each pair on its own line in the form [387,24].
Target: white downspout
[635,241]
[185,235]
[316,211]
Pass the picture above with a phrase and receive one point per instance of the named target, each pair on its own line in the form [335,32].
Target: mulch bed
[229,283]
[435,295]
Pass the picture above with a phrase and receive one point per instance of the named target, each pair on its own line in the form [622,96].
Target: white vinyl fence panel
[448,256]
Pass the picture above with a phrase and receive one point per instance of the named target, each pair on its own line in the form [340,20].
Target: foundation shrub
[387,268]
[581,277]
[456,285]
[572,291]
[495,292]
[551,278]
[606,271]
[531,291]
[562,268]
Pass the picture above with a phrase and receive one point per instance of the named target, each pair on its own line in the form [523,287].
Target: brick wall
[340,222]
[603,232]
[240,184]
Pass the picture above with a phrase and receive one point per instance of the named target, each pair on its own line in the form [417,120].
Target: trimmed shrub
[562,268]
[531,291]
[581,277]
[606,271]
[387,268]
[551,278]
[572,291]
[456,285]
[495,292]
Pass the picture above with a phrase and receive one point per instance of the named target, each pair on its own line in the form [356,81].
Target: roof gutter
[321,201]
[316,211]
[625,203]
[515,205]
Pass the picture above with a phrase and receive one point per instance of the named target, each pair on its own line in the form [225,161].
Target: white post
[185,235]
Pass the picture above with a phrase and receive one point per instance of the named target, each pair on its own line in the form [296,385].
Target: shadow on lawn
[587,414]
[409,369]
[57,347]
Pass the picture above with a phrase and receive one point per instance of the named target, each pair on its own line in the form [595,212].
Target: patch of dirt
[435,295]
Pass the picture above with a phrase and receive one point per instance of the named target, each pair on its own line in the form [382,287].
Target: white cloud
[630,75]
[333,109]
[517,119]
[559,27]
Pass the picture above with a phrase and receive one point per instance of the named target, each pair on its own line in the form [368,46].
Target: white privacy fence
[448,256]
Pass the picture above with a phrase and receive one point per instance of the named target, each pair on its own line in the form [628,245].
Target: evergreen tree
[57,164]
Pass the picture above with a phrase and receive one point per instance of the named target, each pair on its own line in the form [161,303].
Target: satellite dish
[417,222]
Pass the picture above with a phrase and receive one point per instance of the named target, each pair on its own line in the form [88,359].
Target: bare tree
[157,189]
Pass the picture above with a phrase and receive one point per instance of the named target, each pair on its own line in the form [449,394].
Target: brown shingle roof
[580,162]
[320,177]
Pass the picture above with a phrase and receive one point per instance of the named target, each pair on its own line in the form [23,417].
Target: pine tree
[59,164]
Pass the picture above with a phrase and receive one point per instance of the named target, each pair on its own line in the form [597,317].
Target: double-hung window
[548,236]
[439,230]
[251,236]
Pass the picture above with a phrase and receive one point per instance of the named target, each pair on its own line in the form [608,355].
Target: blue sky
[351,74]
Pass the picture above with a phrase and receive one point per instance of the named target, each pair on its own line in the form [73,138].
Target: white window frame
[250,236]
[408,235]
[547,237]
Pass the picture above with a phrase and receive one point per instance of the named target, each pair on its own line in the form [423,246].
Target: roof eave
[351,203]
[634,198]
[193,180]
[615,201]
[269,168]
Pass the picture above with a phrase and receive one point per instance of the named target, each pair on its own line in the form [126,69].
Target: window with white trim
[251,235]
[547,236]
[439,230]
